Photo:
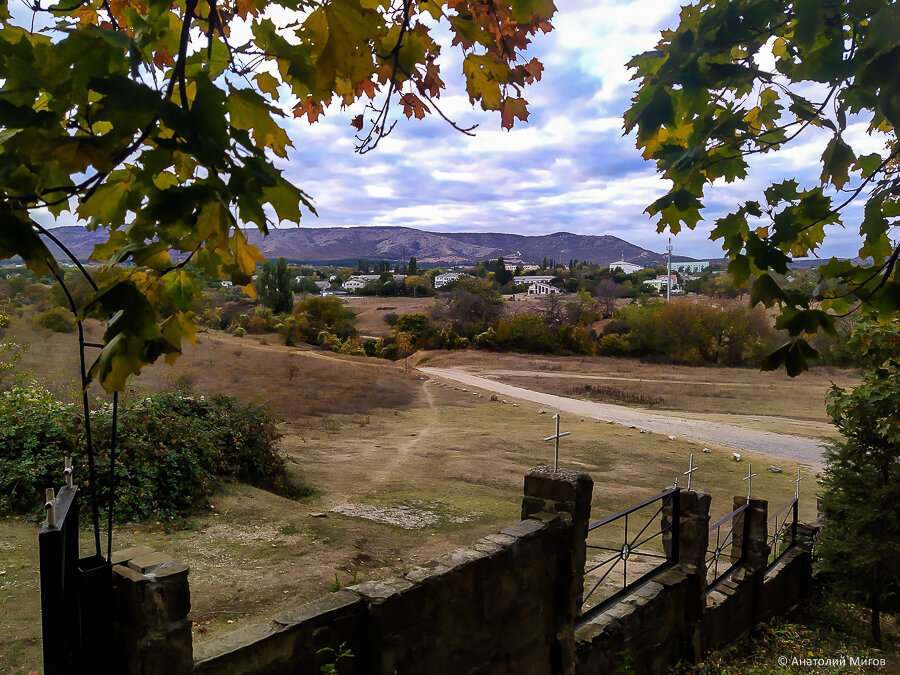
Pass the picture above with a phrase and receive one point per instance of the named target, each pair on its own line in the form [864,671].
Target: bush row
[172,451]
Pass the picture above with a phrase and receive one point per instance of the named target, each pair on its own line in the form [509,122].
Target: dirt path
[777,446]
[391,468]
[617,378]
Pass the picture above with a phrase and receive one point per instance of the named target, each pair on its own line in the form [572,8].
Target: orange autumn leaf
[311,108]
[412,105]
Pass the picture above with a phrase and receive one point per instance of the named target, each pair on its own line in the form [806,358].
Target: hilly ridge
[399,243]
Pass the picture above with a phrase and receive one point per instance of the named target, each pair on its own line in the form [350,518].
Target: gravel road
[777,446]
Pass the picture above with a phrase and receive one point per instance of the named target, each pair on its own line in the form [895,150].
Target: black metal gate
[76,594]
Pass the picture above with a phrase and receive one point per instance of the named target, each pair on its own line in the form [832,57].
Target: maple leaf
[161,57]
[357,122]
[510,109]
[311,108]
[366,87]
[432,80]
[535,68]
[412,105]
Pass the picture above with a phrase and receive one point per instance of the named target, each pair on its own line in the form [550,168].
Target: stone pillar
[151,601]
[693,530]
[548,494]
[693,540]
[755,521]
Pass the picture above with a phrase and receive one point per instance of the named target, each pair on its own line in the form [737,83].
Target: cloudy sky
[568,169]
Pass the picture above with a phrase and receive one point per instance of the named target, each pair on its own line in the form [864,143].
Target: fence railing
[783,528]
[727,545]
[628,547]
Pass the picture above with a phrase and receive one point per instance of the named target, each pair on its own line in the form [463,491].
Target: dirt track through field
[776,446]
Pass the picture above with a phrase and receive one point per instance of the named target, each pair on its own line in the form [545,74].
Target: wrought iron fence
[727,539]
[648,533]
[783,526]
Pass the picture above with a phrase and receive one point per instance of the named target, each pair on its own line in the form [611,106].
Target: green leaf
[18,237]
[248,110]
[836,161]
[766,290]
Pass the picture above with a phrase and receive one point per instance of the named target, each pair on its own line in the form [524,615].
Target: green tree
[860,545]
[148,115]
[413,268]
[743,77]
[284,297]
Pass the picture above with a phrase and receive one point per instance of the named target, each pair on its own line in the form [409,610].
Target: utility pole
[669,274]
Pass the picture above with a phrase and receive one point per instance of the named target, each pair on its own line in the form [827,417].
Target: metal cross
[690,472]
[749,479]
[797,491]
[557,436]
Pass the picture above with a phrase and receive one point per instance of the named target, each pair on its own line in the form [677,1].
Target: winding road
[777,446]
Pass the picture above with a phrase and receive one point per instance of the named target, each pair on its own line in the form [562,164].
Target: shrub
[58,320]
[238,332]
[172,451]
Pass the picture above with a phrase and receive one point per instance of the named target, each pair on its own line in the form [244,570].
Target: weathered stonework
[509,603]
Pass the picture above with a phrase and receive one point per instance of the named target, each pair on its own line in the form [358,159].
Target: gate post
[549,492]
[151,603]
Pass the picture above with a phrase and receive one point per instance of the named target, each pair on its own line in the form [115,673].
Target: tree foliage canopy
[860,546]
[159,122]
[738,78]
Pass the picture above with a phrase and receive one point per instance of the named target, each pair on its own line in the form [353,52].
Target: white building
[533,280]
[540,288]
[692,267]
[626,267]
[354,284]
[446,278]
[661,282]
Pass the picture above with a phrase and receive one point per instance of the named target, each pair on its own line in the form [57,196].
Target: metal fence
[628,547]
[727,544]
[783,528]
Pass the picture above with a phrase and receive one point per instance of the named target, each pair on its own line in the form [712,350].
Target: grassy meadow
[402,468]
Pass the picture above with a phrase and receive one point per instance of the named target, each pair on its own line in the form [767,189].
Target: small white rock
[673,438]
[705,449]
[736,456]
[774,469]
[582,419]
[645,431]
[504,400]
[542,412]
[515,405]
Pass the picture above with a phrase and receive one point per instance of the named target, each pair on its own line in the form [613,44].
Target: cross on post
[690,472]
[556,436]
[749,479]
[797,490]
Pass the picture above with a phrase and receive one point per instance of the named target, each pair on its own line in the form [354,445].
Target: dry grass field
[371,311]
[403,468]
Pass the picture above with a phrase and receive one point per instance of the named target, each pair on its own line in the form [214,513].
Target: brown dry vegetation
[691,389]
[361,432]
[297,382]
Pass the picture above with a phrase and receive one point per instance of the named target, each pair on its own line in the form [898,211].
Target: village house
[447,277]
[541,288]
[626,267]
[661,282]
[537,279]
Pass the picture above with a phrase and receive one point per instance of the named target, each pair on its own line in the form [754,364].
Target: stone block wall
[509,603]
[505,604]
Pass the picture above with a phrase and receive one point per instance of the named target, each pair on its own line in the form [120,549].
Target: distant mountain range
[331,244]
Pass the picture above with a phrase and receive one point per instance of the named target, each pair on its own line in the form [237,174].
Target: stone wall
[509,603]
